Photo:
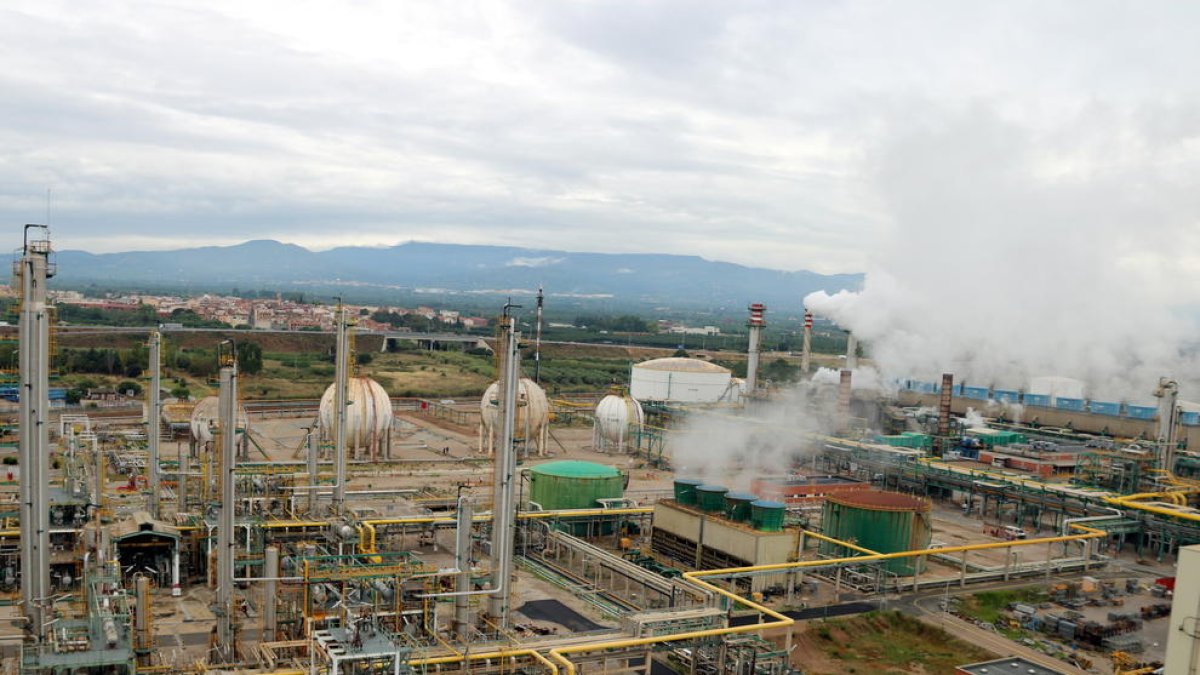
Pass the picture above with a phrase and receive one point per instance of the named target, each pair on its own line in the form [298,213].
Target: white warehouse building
[682,380]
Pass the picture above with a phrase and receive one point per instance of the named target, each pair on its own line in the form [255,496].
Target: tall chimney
[756,323]
[944,401]
[806,349]
[851,351]
[844,399]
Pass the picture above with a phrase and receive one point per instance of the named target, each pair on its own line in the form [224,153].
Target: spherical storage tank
[617,417]
[681,380]
[573,484]
[206,416]
[369,416]
[887,522]
[532,421]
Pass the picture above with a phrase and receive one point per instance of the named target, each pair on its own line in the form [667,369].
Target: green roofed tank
[572,484]
[767,516]
[737,506]
[887,522]
[685,490]
[711,498]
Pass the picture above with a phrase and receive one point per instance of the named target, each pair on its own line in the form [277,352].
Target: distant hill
[449,269]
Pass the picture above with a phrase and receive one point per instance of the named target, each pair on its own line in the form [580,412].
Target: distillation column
[270,580]
[503,530]
[462,562]
[756,323]
[806,347]
[227,401]
[537,340]
[339,418]
[154,422]
[1168,413]
[314,477]
[34,335]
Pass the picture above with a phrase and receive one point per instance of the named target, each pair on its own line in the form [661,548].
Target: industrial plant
[695,521]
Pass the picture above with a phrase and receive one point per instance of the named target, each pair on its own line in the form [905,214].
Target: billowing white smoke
[1017,253]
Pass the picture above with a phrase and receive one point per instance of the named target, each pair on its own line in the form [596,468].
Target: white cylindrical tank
[369,416]
[681,380]
[205,417]
[617,418]
[533,416]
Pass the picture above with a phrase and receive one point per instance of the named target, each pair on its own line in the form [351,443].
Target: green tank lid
[571,468]
[737,506]
[767,516]
[685,490]
[711,498]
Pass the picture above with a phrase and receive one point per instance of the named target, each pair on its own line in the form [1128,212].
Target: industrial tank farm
[566,550]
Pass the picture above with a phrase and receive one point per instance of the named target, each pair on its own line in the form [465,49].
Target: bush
[130,386]
[363,358]
[9,460]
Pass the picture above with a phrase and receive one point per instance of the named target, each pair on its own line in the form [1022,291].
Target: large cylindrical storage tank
[711,498]
[532,420]
[572,484]
[206,416]
[685,490]
[681,380]
[617,419]
[368,417]
[887,522]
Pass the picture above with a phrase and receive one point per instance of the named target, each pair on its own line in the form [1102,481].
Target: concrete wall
[1183,648]
[733,539]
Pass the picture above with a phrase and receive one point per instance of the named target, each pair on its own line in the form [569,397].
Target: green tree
[249,358]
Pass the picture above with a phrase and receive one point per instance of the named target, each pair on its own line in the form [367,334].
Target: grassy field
[988,605]
[888,642]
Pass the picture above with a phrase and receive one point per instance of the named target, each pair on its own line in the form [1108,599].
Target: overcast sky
[780,134]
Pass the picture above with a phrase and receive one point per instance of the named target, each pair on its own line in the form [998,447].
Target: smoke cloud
[1018,250]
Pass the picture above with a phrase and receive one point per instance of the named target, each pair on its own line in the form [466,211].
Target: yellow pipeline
[839,542]
[559,513]
[1177,497]
[501,654]
[558,654]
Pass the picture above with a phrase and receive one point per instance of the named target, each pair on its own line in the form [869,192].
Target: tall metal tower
[32,271]
[537,340]
[505,492]
[227,407]
[340,402]
[154,420]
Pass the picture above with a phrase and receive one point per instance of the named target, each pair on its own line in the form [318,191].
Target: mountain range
[371,274]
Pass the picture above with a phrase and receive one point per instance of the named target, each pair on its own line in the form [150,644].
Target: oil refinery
[365,534]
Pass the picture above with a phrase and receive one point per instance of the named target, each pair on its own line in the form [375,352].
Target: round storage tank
[737,506]
[532,420]
[681,380]
[711,498]
[206,416]
[767,516]
[368,417]
[685,490]
[572,484]
[887,522]
[617,419]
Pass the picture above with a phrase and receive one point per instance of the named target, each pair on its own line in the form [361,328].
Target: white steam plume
[1017,252]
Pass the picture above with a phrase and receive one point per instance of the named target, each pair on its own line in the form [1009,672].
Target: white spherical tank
[617,417]
[533,416]
[369,415]
[206,416]
[681,380]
